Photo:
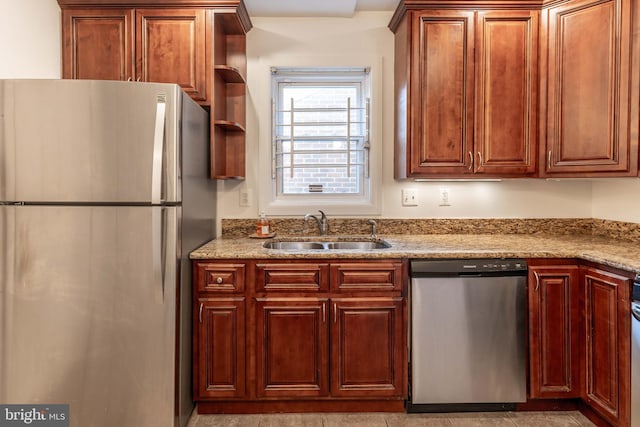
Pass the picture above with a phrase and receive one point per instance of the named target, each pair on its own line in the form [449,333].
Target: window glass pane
[321,161]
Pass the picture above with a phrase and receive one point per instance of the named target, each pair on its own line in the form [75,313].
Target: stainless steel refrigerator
[104,191]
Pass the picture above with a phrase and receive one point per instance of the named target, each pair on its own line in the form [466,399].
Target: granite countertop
[603,250]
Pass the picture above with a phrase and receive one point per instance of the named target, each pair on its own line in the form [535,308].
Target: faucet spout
[322,222]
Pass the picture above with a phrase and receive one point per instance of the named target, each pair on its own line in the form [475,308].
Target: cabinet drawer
[311,277]
[366,277]
[212,277]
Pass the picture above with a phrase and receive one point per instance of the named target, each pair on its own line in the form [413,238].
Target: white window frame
[355,109]
[337,204]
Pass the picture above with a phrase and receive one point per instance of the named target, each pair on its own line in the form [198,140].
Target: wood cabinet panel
[220,362]
[506,95]
[292,339]
[366,347]
[588,87]
[441,106]
[170,48]
[97,44]
[369,277]
[607,319]
[220,277]
[472,84]
[554,331]
[292,277]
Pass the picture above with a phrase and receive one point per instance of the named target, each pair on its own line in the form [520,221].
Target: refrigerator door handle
[158,150]
[158,250]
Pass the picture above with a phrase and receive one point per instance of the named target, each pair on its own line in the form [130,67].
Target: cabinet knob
[219,280]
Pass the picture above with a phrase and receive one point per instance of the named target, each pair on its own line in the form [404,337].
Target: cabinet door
[170,48]
[292,347]
[554,331]
[367,342]
[506,94]
[589,89]
[607,315]
[97,44]
[441,110]
[220,347]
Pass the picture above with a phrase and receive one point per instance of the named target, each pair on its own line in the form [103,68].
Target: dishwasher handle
[635,310]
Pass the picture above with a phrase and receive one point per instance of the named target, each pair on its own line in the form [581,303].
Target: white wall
[273,39]
[30,48]
[617,199]
[30,39]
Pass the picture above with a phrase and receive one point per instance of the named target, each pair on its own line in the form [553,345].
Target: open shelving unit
[228,109]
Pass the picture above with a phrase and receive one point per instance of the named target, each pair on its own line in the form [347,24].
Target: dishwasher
[467,335]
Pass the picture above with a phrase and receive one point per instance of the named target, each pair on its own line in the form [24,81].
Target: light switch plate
[409,197]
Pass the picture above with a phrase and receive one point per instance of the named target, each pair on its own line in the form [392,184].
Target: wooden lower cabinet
[554,331]
[366,347]
[580,336]
[292,342]
[608,357]
[300,335]
[220,353]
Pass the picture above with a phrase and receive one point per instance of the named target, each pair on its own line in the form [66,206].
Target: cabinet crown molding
[406,5]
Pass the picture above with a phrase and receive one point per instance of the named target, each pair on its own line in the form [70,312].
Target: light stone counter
[603,250]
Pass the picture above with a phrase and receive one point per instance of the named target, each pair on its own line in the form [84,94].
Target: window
[320,147]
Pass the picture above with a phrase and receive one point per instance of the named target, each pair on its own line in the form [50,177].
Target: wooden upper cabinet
[441,93]
[149,45]
[97,44]
[170,48]
[591,89]
[466,93]
[506,118]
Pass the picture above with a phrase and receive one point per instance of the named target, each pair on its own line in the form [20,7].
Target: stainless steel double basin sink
[293,245]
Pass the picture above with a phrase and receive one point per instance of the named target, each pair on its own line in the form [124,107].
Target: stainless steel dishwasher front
[468,334]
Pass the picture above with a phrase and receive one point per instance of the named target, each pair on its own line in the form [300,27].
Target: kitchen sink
[292,245]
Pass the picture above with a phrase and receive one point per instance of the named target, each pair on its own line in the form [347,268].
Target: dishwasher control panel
[468,266]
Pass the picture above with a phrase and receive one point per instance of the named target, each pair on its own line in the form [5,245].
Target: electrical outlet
[245,198]
[409,197]
[444,197]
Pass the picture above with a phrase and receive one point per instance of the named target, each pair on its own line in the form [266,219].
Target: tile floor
[497,419]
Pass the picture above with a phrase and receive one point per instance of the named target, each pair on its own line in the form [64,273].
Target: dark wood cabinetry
[314,331]
[292,342]
[579,335]
[219,333]
[164,46]
[555,328]
[221,347]
[367,336]
[484,91]
[200,45]
[97,44]
[591,88]
[466,93]
[608,332]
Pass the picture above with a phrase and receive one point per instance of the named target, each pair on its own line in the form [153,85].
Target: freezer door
[76,141]
[87,312]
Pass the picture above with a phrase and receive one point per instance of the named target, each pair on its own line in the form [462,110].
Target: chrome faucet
[323,222]
[374,228]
